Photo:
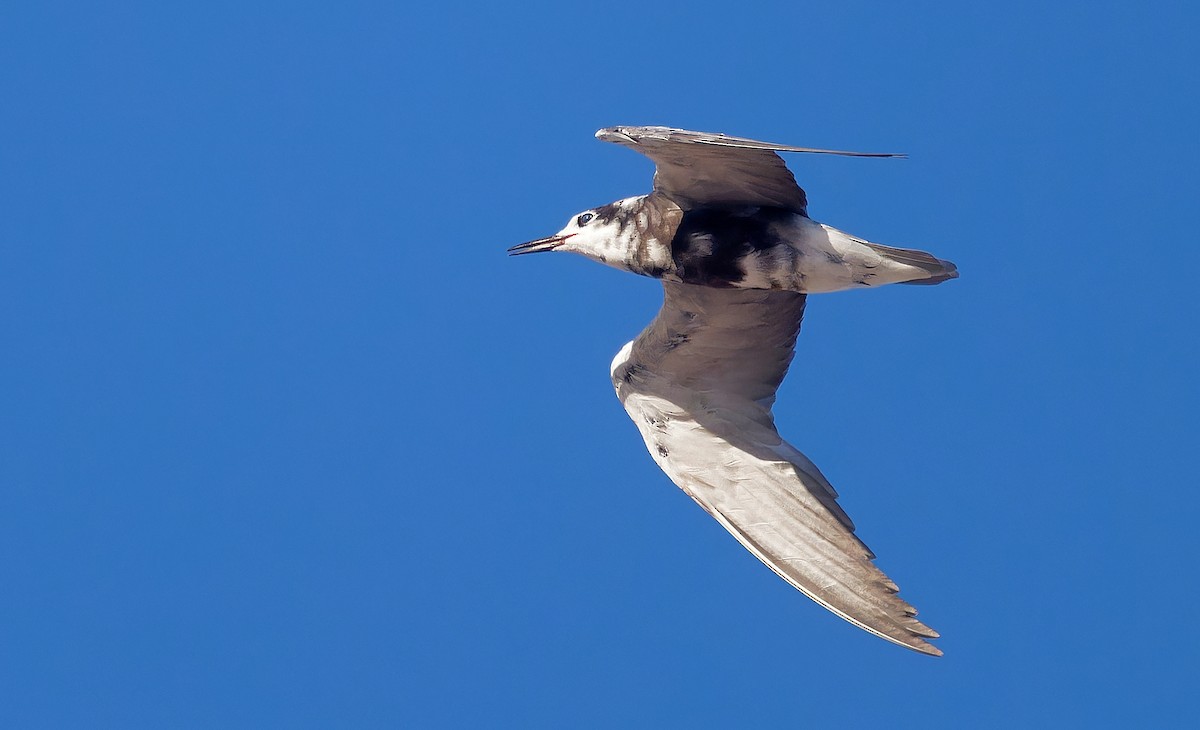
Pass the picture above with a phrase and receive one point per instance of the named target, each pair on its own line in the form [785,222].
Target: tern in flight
[726,229]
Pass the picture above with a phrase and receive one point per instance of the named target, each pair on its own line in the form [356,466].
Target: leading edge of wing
[633,136]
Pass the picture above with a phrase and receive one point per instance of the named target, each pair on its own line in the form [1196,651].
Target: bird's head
[623,234]
[590,233]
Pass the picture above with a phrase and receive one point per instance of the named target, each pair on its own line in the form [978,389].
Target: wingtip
[614,134]
[918,639]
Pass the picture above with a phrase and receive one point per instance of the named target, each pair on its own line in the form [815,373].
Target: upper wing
[699,383]
[699,168]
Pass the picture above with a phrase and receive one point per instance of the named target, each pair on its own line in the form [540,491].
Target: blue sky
[286,440]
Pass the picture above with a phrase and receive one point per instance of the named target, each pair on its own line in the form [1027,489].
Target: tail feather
[939,269]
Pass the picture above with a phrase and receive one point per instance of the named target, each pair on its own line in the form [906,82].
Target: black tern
[726,229]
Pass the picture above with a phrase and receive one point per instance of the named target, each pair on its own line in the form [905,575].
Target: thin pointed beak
[548,243]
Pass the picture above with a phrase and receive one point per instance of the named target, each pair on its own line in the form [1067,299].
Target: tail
[939,269]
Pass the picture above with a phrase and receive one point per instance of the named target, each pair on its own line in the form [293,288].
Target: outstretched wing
[699,383]
[699,168]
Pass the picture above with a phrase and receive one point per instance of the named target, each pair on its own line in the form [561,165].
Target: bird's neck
[642,244]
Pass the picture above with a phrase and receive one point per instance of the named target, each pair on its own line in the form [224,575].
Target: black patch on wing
[711,244]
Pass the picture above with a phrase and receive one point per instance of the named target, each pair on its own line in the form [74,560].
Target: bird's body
[743,247]
[727,231]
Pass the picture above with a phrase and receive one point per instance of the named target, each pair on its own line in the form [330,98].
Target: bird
[726,230]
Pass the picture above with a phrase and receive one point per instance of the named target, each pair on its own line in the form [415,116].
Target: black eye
[584,219]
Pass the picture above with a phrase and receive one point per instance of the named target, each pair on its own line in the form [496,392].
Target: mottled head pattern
[633,234]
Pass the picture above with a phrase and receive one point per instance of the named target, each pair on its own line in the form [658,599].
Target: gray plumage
[699,383]
[727,231]
[698,168]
